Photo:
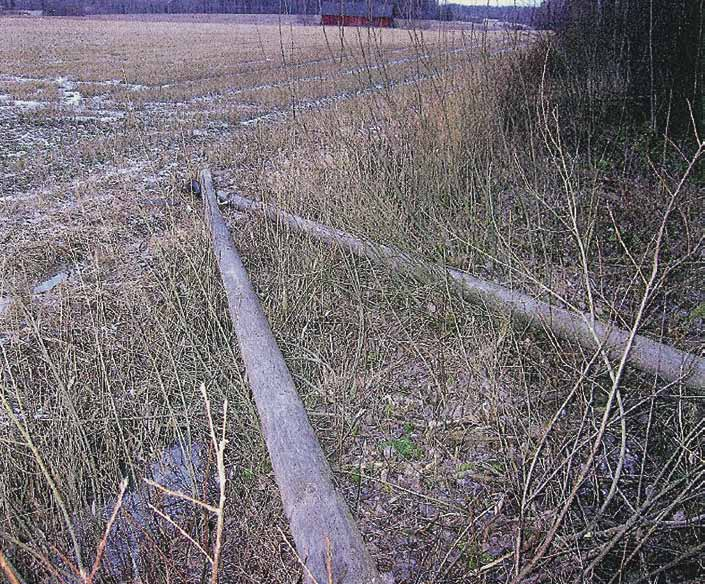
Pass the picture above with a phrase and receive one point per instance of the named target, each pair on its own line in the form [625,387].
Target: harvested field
[430,409]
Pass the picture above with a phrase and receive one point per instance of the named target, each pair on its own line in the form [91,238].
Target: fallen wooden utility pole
[327,540]
[651,356]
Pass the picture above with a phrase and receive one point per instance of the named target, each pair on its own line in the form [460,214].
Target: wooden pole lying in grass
[327,540]
[651,356]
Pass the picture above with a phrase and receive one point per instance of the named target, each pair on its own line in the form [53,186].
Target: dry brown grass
[124,337]
[430,409]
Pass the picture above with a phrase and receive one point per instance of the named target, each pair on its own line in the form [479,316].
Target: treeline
[402,8]
[511,14]
[87,7]
[423,9]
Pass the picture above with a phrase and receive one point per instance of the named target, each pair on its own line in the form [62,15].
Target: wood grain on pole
[327,539]
[669,363]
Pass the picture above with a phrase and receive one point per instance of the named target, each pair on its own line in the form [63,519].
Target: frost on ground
[98,122]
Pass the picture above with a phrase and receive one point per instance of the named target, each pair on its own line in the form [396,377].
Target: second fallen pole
[671,364]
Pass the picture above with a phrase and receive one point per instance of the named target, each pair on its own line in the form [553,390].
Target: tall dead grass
[467,447]
[493,170]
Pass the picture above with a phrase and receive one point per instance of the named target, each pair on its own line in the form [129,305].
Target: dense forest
[657,51]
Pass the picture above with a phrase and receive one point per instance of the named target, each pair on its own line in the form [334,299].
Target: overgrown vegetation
[644,61]
[467,447]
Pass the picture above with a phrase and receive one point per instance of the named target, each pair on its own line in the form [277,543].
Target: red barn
[356,13]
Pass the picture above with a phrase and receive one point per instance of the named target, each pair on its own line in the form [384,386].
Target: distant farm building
[356,13]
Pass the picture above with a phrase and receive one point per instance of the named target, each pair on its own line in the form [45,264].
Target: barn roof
[356,8]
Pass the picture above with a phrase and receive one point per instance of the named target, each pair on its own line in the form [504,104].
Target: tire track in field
[420,58]
[138,167]
[305,105]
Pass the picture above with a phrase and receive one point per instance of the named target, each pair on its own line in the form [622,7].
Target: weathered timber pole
[327,540]
[647,355]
